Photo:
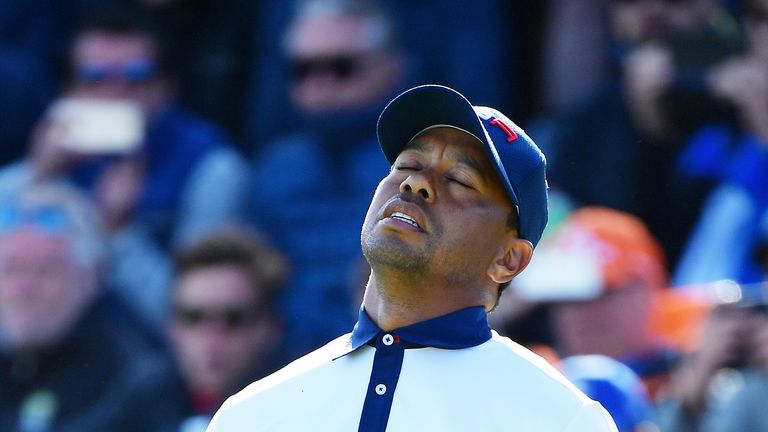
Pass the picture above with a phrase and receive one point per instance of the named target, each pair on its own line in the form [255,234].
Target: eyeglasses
[341,67]
[136,72]
[49,219]
[232,318]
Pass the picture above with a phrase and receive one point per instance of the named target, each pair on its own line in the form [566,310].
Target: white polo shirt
[451,373]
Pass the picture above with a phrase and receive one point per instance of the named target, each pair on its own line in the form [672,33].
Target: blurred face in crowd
[120,66]
[217,329]
[43,287]
[336,63]
[637,21]
[615,324]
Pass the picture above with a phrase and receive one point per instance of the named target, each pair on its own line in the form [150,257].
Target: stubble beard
[392,254]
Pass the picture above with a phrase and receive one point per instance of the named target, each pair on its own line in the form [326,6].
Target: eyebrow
[460,157]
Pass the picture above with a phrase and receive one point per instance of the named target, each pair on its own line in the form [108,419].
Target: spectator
[722,386]
[183,179]
[63,344]
[480,41]
[617,148]
[190,178]
[611,275]
[313,186]
[223,332]
[193,179]
[211,48]
[735,157]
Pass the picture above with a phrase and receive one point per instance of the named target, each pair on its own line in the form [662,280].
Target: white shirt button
[380,389]
[388,339]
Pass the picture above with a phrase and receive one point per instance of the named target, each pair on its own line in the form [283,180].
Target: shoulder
[13,177]
[545,386]
[222,162]
[514,366]
[517,356]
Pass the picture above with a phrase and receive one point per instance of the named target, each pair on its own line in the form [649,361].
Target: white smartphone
[97,126]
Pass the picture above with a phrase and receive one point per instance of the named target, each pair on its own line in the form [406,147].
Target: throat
[393,303]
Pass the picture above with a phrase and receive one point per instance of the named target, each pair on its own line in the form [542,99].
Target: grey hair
[86,232]
[380,30]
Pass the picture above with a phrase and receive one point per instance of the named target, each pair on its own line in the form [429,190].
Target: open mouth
[405,218]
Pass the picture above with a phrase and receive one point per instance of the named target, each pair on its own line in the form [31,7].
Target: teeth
[405,218]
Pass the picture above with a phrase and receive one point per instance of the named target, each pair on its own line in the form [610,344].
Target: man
[345,66]
[63,345]
[181,181]
[223,333]
[618,147]
[733,157]
[606,298]
[454,221]
[192,179]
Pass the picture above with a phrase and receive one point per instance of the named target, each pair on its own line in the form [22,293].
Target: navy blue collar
[461,329]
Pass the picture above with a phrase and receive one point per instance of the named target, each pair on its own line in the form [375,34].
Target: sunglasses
[136,72]
[48,219]
[340,67]
[232,318]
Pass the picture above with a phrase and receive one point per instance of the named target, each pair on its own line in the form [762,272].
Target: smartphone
[97,126]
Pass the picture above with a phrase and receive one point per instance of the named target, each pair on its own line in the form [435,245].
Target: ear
[513,257]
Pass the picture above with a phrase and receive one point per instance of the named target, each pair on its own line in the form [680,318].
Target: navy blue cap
[519,162]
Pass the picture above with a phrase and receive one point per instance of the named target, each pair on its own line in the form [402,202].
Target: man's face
[42,287]
[614,324]
[119,67]
[217,332]
[442,211]
[335,64]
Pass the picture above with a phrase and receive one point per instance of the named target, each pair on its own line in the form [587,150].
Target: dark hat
[519,162]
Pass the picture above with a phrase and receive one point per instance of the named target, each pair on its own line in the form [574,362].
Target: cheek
[480,227]
[387,188]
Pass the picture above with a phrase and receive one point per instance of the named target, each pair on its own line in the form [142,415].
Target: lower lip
[401,224]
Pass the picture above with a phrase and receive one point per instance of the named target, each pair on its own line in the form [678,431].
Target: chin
[393,253]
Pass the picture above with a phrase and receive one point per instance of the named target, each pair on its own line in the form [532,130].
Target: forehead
[329,34]
[107,48]
[455,144]
[32,243]
[216,285]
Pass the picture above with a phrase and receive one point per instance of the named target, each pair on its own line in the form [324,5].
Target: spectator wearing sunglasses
[192,179]
[223,332]
[179,177]
[63,342]
[312,186]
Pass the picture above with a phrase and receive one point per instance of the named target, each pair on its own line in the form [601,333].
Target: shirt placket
[387,363]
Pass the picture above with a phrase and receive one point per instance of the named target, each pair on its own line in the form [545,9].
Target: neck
[397,302]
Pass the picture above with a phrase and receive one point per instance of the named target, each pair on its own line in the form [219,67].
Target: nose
[418,183]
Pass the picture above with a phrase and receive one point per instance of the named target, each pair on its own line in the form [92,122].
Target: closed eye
[405,168]
[459,182]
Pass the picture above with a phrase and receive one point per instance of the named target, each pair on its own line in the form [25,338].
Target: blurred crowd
[182,185]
